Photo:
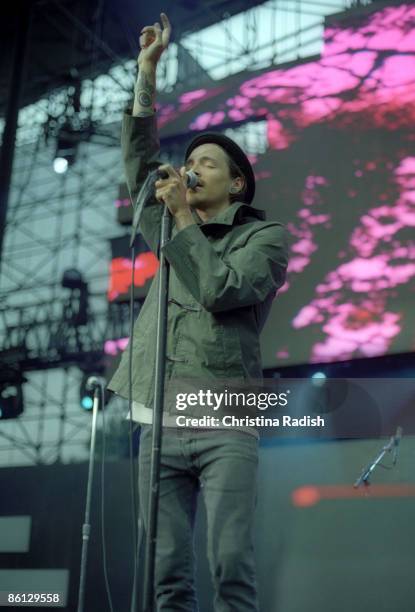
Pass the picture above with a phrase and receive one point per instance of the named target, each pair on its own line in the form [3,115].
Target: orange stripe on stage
[311,495]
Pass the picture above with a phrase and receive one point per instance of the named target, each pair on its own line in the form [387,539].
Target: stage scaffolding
[56,222]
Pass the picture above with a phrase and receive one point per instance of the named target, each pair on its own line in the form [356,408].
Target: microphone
[396,441]
[93,382]
[191,177]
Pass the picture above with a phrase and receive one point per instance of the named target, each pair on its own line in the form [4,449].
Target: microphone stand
[164,270]
[86,527]
[392,445]
[145,192]
[150,549]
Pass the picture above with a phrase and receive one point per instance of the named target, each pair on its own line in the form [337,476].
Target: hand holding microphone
[171,188]
[191,177]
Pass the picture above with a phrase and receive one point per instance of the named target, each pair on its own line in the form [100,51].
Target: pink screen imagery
[339,171]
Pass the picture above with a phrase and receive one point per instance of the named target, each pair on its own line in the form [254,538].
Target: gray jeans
[224,466]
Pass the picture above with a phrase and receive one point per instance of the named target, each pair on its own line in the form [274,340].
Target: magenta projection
[339,170]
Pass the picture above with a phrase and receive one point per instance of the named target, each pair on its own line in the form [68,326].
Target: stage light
[11,402]
[67,142]
[73,279]
[60,165]
[87,402]
[318,379]
[78,304]
[86,397]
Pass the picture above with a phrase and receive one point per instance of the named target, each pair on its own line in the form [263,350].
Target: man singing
[226,264]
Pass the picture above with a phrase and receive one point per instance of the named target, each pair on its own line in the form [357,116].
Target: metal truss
[54,352]
[53,428]
[56,222]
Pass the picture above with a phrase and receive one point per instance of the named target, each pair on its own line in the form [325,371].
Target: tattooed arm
[145,90]
[153,41]
[139,136]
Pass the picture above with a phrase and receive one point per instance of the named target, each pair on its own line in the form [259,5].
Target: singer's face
[210,164]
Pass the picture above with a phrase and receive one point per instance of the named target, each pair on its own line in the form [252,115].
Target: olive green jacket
[224,274]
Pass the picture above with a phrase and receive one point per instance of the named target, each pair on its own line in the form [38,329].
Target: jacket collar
[236,211]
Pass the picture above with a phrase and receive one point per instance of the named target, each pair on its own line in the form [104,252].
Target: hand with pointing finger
[153,41]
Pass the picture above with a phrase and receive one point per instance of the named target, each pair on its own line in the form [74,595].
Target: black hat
[235,153]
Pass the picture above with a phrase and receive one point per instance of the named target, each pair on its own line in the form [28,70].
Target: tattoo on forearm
[144,90]
[144,99]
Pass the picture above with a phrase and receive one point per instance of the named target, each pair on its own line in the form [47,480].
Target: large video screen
[338,169]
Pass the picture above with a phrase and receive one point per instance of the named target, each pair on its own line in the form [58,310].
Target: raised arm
[139,136]
[153,41]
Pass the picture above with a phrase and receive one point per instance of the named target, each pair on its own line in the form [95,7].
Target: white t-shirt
[144,415]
